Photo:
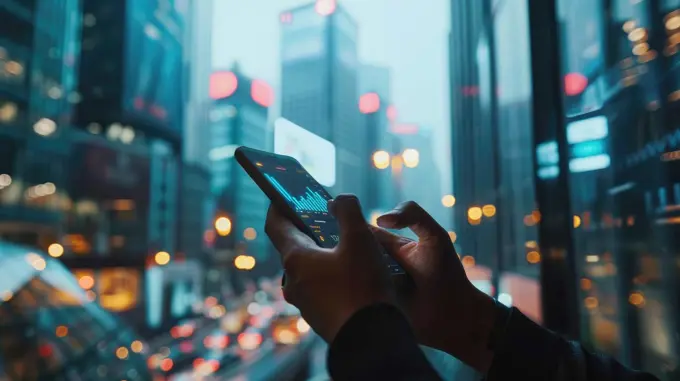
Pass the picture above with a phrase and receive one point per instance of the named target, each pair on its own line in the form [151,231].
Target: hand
[446,310]
[330,285]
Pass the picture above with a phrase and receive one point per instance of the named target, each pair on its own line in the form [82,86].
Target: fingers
[285,236]
[390,241]
[353,226]
[411,215]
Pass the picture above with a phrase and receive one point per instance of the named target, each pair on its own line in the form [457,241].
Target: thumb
[347,209]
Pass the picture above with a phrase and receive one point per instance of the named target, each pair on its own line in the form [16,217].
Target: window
[625,181]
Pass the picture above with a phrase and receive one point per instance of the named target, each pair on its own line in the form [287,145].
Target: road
[269,362]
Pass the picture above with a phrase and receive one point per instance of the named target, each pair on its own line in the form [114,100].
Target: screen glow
[316,154]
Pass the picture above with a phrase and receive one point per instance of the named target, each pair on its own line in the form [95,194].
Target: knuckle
[268,227]
[289,295]
[411,205]
[289,261]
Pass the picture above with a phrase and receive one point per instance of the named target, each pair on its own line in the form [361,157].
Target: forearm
[530,352]
[468,339]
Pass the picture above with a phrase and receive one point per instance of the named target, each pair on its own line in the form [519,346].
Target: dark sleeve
[377,343]
[527,351]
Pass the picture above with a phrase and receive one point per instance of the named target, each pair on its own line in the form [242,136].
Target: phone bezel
[274,196]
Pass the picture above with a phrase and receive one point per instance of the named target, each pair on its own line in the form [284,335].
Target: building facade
[91,97]
[239,117]
[374,85]
[198,60]
[426,172]
[319,84]
[39,51]
[474,181]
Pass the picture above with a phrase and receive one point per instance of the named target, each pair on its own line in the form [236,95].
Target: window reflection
[623,185]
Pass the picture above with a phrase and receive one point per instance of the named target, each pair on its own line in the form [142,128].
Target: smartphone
[299,196]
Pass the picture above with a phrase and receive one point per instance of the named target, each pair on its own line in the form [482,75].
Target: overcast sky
[409,36]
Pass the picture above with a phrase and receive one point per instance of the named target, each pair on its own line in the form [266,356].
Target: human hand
[330,285]
[446,310]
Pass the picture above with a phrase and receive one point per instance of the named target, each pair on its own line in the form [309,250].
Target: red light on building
[286,18]
[391,113]
[325,7]
[138,103]
[575,83]
[222,84]
[261,93]
[404,129]
[470,91]
[369,103]
[158,111]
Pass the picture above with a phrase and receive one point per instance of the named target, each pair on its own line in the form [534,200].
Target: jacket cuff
[526,350]
[366,335]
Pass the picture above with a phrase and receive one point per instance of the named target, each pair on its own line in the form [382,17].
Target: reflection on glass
[623,179]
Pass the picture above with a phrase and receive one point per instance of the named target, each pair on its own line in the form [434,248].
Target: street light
[223,226]
[449,201]
[162,258]
[381,159]
[411,157]
[489,210]
[55,250]
[475,213]
[244,262]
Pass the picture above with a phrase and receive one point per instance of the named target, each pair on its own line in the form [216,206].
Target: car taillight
[249,341]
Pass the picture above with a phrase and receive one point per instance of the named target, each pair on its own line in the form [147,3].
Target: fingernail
[386,220]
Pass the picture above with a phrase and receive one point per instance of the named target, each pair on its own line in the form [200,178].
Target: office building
[375,79]
[198,57]
[472,148]
[39,53]
[319,84]
[425,171]
[374,96]
[239,117]
[125,166]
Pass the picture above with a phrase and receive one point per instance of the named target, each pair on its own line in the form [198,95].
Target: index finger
[283,234]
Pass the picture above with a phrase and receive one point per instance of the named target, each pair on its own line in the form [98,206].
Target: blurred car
[216,340]
[251,338]
[184,329]
[214,361]
[288,327]
[169,361]
[52,330]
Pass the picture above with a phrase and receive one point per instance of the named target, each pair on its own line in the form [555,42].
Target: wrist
[341,316]
[468,340]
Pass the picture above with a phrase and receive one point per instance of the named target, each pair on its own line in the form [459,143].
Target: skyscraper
[375,79]
[39,54]
[472,143]
[198,56]
[425,172]
[319,83]
[239,117]
[374,88]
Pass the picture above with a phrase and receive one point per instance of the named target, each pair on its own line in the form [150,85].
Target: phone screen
[302,193]
[306,197]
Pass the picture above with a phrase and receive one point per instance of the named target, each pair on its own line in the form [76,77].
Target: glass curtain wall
[620,95]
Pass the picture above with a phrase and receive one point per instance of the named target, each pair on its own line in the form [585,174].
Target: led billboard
[316,154]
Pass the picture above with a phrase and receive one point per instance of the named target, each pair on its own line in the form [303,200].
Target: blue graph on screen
[311,201]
